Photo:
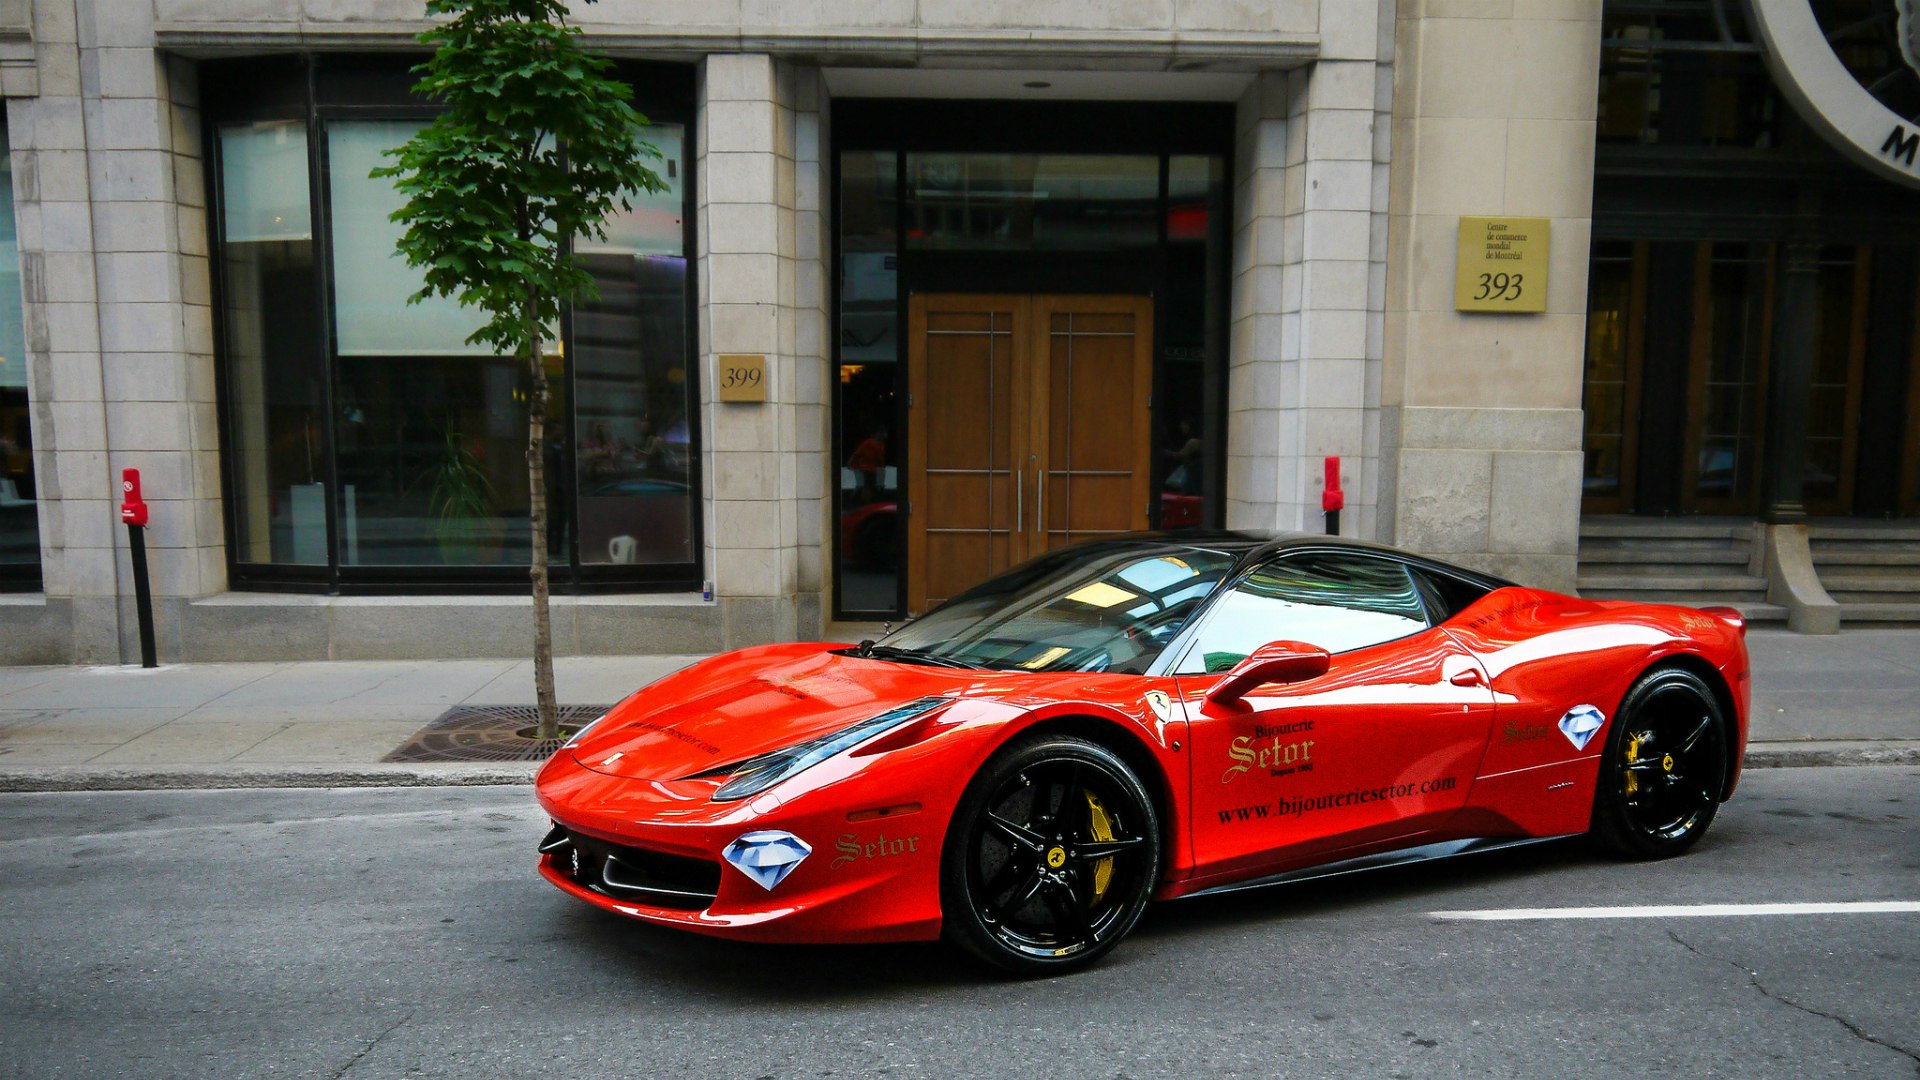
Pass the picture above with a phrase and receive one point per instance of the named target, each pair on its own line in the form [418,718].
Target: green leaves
[537,143]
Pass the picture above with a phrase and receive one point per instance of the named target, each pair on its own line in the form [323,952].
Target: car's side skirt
[1445,849]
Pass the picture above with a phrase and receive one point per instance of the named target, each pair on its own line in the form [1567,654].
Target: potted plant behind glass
[460,498]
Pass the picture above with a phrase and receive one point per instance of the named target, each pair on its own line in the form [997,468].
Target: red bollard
[1333,500]
[133,512]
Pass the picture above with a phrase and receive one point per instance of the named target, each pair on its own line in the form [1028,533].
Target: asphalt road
[403,932]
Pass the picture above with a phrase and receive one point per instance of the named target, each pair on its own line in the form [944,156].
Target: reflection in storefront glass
[870,380]
[1049,202]
[429,429]
[1196,222]
[635,502]
[1609,309]
[275,377]
[19,521]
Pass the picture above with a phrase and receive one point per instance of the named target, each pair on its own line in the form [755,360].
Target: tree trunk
[537,521]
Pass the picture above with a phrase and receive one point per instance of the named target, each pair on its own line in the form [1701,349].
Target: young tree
[537,144]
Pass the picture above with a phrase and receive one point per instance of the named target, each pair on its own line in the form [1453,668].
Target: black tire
[1664,767]
[1022,885]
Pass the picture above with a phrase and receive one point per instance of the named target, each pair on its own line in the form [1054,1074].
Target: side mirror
[1277,662]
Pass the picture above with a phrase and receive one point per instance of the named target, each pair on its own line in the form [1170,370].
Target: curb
[1766,755]
[1799,755]
[219,777]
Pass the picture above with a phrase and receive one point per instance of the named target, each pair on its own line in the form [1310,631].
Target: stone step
[1691,554]
[1891,532]
[1866,556]
[1879,613]
[1663,583]
[1664,529]
[1835,584]
[1865,551]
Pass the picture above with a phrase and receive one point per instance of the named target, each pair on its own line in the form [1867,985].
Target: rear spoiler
[1729,616]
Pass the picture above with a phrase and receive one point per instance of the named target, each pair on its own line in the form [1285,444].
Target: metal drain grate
[492,733]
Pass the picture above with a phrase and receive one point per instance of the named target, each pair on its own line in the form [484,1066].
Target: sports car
[1027,766]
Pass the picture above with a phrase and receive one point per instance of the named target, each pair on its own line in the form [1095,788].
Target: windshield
[1103,607]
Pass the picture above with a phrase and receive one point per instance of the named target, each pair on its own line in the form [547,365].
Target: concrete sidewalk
[1850,699]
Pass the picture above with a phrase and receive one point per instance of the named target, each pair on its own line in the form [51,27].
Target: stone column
[114,265]
[1309,283]
[69,416]
[1493,114]
[765,479]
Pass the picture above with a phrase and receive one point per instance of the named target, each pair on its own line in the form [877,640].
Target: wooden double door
[1027,429]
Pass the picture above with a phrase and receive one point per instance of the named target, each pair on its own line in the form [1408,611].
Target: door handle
[1040,503]
[1467,677]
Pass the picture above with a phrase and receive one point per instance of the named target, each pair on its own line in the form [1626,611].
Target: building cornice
[1142,50]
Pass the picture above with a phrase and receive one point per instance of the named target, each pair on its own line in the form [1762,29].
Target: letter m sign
[1900,145]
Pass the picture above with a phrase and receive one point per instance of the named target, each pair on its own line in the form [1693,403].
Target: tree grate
[492,733]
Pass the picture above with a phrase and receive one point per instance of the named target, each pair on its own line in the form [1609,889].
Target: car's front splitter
[871,881]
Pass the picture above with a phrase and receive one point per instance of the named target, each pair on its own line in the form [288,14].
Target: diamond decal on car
[767,856]
[1581,724]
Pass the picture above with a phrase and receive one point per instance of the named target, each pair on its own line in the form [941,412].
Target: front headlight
[755,775]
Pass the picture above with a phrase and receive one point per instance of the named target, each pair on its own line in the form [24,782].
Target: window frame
[317,88]
[28,577]
[1198,625]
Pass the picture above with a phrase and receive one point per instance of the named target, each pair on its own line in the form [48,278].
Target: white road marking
[1684,911]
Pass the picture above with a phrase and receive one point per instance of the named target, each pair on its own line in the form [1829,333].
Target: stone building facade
[1312,244]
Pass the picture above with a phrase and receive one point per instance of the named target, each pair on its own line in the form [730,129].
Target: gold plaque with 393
[1502,264]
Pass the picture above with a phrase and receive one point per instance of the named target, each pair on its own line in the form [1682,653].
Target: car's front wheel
[1052,856]
[1664,767]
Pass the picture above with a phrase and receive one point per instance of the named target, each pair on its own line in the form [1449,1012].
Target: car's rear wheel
[1664,767]
[1051,858]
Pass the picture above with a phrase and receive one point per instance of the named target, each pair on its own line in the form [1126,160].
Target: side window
[1446,596]
[1335,600]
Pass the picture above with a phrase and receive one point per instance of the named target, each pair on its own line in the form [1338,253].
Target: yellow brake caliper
[1633,755]
[1101,825]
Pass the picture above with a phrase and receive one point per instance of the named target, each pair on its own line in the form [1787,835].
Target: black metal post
[1788,385]
[142,593]
[1333,523]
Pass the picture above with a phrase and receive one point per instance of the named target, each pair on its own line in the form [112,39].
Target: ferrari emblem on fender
[1160,703]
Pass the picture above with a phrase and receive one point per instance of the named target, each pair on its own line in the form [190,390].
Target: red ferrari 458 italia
[1028,765]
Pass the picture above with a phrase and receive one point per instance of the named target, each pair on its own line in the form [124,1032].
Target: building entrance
[1027,428]
[1680,353]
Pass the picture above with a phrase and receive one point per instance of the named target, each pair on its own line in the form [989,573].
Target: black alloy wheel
[1664,767]
[1051,858]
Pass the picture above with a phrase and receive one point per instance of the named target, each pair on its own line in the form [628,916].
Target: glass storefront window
[870,384]
[19,512]
[1681,75]
[633,434]
[371,281]
[368,442]
[430,430]
[1610,327]
[1018,202]
[1196,229]
[1727,463]
[275,389]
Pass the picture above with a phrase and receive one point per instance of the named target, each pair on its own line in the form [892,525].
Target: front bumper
[865,881]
